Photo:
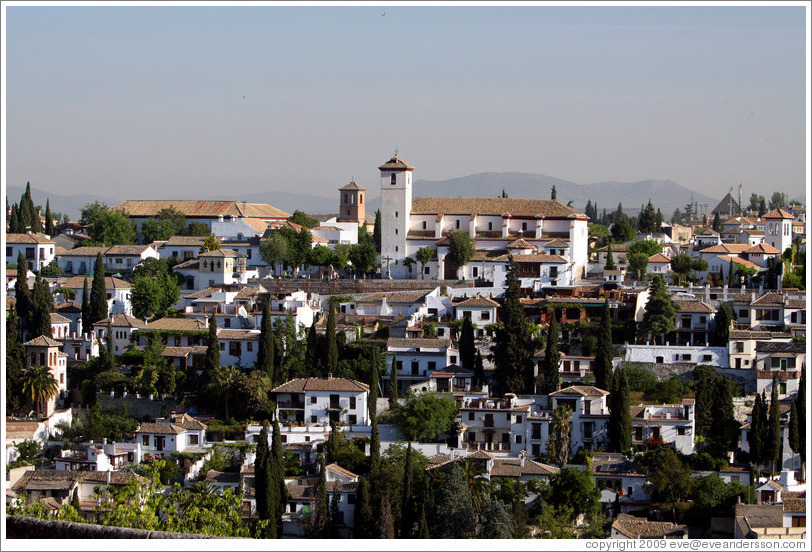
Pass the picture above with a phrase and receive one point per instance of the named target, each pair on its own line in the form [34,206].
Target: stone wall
[34,528]
[138,407]
[352,286]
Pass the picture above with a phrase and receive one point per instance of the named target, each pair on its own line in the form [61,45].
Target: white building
[671,424]
[318,401]
[411,223]
[79,261]
[778,229]
[118,292]
[38,250]
[416,359]
[123,327]
[677,354]
[44,351]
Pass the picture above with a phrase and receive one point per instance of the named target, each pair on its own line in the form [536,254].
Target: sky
[187,101]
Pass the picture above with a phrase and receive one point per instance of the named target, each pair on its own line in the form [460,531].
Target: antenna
[730,201]
[740,198]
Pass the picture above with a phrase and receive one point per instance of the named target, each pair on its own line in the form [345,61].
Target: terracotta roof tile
[179,324]
[477,301]
[579,390]
[301,385]
[402,342]
[352,186]
[43,341]
[395,163]
[123,250]
[637,528]
[160,429]
[200,208]
[778,213]
[27,238]
[493,206]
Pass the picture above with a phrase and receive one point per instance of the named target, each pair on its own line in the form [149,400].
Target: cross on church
[387,259]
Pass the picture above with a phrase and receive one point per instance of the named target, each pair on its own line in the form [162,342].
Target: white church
[548,240]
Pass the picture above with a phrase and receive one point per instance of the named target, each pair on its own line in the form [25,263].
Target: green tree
[461,249]
[717,223]
[661,310]
[453,512]
[425,416]
[303,219]
[321,513]
[112,228]
[778,200]
[669,480]
[773,448]
[320,256]
[724,428]
[793,436]
[98,293]
[393,384]
[723,318]
[681,265]
[15,353]
[49,220]
[710,493]
[274,251]
[800,405]
[363,511]
[622,231]
[467,344]
[638,263]
[277,464]
[704,376]
[265,350]
[86,326]
[212,347]
[424,256]
[407,518]
[755,201]
[376,231]
[561,426]
[22,294]
[363,256]
[514,346]
[574,490]
[262,488]
[647,221]
[39,386]
[619,428]
[496,519]
[758,431]
[332,343]
[610,259]
[602,366]
[552,358]
[42,305]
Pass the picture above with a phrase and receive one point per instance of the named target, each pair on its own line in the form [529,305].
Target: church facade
[548,240]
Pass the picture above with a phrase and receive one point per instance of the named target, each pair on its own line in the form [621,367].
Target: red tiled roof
[301,385]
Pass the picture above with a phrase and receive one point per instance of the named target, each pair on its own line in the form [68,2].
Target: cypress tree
[602,367]
[265,351]
[15,355]
[514,345]
[312,351]
[49,222]
[86,328]
[332,526]
[376,231]
[423,529]
[553,193]
[385,524]
[467,344]
[407,503]
[22,294]
[722,420]
[661,310]
[261,474]
[610,260]
[393,384]
[42,304]
[98,293]
[373,383]
[794,438]
[757,433]
[212,348]
[620,422]
[479,371]
[321,511]
[277,480]
[374,446]
[332,343]
[800,405]
[363,511]
[774,440]
[552,358]
[588,210]
[703,384]
[13,225]
[109,354]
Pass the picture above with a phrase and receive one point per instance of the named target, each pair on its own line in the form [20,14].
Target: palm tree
[475,475]
[39,385]
[561,427]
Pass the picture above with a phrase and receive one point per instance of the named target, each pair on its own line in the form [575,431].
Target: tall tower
[351,203]
[778,229]
[396,208]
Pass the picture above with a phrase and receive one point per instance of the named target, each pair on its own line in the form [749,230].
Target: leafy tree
[363,511]
[91,211]
[574,490]
[778,200]
[669,480]
[274,251]
[513,348]
[155,289]
[599,232]
[552,358]
[211,243]
[424,256]
[363,256]
[711,492]
[52,269]
[453,514]
[277,467]
[638,263]
[602,366]
[622,231]
[39,386]
[425,416]
[496,519]
[461,249]
[320,256]
[755,201]
[661,309]
[682,264]
[762,208]
[112,228]
[717,223]
[15,353]
[97,310]
[303,219]
[620,423]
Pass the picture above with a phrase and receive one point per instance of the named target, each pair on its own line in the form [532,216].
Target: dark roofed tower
[351,204]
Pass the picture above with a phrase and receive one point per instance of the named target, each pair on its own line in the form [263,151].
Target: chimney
[724,292]
[522,455]
[329,375]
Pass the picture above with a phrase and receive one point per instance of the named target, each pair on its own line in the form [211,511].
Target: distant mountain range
[664,194]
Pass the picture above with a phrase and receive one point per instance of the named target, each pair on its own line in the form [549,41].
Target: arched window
[394,179]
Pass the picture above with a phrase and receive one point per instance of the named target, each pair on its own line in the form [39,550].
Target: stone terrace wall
[34,528]
[351,287]
[138,407]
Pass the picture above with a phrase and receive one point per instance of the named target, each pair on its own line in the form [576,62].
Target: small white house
[318,401]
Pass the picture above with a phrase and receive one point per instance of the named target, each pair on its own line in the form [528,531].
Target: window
[686,357]
[524,227]
[235,348]
[222,346]
[638,434]
[485,315]
[314,419]
[739,347]
[518,421]
[194,439]
[249,346]
[453,359]
[432,366]
[394,179]
[658,360]
[399,365]
[227,322]
[145,440]
[396,231]
[681,430]
[707,358]
[313,400]
[352,403]
[518,439]
[782,388]
[415,367]
[424,225]
[490,226]
[396,214]
[352,419]
[470,416]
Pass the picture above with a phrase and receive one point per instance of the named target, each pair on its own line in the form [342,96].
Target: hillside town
[440,368]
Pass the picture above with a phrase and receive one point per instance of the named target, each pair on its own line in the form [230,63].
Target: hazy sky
[151,102]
